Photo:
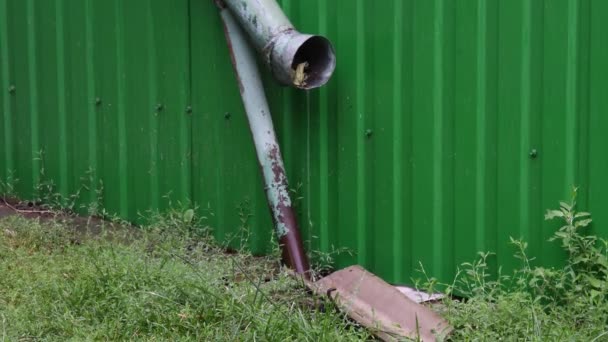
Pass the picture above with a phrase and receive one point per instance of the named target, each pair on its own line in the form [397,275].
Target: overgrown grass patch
[535,303]
[171,281]
[167,284]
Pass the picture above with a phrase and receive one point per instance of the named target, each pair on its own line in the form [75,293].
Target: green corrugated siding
[416,151]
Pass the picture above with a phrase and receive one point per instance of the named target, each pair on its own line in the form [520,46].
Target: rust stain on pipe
[291,242]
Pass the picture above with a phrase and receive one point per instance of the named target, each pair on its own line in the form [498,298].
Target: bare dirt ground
[82,226]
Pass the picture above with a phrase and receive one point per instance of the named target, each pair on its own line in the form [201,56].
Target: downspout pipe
[266,145]
[299,60]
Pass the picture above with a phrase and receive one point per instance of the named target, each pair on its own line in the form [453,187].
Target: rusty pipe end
[301,60]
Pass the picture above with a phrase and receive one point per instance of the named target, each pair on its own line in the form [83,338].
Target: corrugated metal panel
[88,78]
[418,150]
[226,175]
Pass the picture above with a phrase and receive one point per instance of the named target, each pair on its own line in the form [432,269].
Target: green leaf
[582,223]
[188,215]
[601,260]
[594,282]
[582,214]
[551,214]
[565,205]
[595,294]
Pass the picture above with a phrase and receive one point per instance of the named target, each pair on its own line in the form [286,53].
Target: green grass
[164,285]
[535,303]
[171,281]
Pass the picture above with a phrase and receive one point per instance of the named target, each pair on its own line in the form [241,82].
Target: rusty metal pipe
[300,60]
[266,145]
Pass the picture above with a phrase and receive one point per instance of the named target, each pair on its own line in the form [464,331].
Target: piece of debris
[300,76]
[379,306]
[419,296]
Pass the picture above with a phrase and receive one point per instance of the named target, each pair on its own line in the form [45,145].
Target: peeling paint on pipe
[266,145]
[300,60]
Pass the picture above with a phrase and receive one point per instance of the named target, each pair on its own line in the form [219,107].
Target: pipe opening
[314,63]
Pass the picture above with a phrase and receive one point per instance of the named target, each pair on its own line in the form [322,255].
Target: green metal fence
[448,127]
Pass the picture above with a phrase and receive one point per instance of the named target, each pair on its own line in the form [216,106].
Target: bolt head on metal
[227,115]
[159,107]
[533,153]
[97,101]
[369,133]
[189,110]
[12,89]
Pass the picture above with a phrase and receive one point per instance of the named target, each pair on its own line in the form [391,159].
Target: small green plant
[46,196]
[535,303]
[239,239]
[7,186]
[323,262]
[586,271]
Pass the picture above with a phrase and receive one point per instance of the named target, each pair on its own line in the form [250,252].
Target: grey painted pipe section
[266,145]
[300,60]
